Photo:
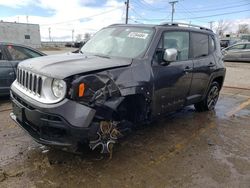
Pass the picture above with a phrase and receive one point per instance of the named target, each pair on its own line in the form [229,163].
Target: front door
[172,82]
[234,53]
[246,53]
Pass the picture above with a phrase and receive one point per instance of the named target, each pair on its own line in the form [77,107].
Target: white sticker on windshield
[138,35]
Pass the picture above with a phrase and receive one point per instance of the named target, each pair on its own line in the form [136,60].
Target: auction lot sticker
[138,35]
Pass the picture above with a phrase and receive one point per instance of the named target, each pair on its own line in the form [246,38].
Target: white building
[20,33]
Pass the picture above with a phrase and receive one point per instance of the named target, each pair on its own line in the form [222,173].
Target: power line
[185,10]
[82,17]
[216,15]
[133,10]
[218,4]
[147,7]
[215,9]
[208,16]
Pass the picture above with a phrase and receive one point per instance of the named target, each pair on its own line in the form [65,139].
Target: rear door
[7,73]
[204,65]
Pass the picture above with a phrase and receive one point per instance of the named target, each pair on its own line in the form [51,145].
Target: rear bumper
[65,124]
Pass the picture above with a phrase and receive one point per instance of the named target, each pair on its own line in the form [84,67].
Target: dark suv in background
[123,76]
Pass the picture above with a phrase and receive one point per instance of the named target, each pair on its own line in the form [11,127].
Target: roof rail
[114,24]
[184,24]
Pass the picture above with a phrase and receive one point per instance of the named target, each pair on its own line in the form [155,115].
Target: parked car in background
[224,43]
[245,38]
[237,52]
[10,56]
[79,44]
[69,44]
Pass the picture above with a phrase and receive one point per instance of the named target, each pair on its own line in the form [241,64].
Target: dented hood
[62,66]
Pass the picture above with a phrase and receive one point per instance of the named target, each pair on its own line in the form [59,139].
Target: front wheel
[210,100]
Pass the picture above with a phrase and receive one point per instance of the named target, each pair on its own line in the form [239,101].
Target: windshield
[119,42]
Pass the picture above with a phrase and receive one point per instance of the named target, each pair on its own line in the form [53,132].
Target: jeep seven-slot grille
[30,81]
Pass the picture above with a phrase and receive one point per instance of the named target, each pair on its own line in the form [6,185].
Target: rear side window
[21,53]
[199,45]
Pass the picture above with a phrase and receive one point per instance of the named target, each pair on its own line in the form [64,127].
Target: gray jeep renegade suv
[124,76]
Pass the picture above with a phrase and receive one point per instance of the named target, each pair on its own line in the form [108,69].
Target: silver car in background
[237,52]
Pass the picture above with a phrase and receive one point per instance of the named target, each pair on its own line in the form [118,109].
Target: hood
[62,66]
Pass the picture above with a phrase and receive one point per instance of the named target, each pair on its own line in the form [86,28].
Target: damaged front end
[102,94]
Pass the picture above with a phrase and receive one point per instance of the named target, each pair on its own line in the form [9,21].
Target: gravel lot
[185,149]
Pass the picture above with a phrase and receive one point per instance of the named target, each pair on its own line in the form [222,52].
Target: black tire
[210,100]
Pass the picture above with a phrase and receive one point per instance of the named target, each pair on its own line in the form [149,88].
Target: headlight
[59,88]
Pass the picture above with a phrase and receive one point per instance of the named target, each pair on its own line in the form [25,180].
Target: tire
[210,100]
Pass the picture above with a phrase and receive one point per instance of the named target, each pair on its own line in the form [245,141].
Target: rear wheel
[210,100]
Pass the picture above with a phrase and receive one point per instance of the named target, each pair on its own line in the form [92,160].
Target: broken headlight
[94,89]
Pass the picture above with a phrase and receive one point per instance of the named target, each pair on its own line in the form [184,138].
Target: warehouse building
[20,33]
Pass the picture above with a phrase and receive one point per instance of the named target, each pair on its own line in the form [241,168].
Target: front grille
[30,81]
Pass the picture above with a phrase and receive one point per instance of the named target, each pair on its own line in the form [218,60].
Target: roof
[170,25]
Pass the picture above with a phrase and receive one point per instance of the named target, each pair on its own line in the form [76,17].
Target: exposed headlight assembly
[94,89]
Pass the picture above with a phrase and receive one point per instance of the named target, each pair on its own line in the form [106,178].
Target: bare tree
[79,37]
[243,29]
[222,27]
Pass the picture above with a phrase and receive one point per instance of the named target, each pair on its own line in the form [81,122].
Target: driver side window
[178,40]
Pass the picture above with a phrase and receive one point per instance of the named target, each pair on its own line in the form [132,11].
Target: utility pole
[27,19]
[73,35]
[173,9]
[49,34]
[211,24]
[127,8]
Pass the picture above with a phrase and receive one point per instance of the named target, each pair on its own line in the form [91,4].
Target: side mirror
[170,55]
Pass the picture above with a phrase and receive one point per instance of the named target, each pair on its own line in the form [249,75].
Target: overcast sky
[63,16]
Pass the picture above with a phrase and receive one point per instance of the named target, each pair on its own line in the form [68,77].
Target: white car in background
[237,52]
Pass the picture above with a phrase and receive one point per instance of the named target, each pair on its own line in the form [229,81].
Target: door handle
[11,73]
[211,64]
[188,69]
